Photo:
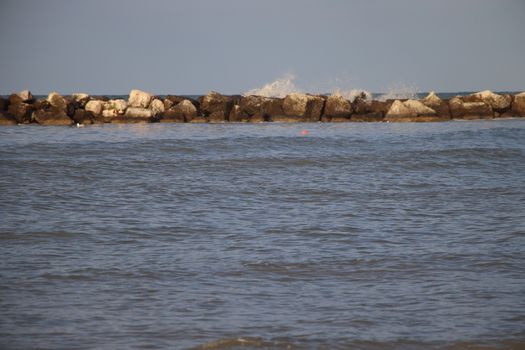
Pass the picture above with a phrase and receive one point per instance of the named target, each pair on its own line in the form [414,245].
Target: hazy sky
[187,47]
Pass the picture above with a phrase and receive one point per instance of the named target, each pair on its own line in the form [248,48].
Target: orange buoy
[305,132]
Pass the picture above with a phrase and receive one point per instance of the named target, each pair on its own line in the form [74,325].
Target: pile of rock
[143,107]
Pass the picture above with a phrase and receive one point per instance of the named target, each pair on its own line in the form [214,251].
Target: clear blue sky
[187,47]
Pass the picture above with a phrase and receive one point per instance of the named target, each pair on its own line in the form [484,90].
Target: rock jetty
[144,107]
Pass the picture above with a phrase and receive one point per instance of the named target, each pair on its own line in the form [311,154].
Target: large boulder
[411,111]
[61,103]
[252,105]
[26,96]
[139,99]
[114,108]
[518,105]
[337,107]
[52,116]
[469,110]
[21,112]
[80,96]
[95,106]
[157,106]
[437,104]
[499,103]
[184,111]
[216,107]
[302,107]
[137,112]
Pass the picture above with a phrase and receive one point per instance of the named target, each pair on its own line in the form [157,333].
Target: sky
[231,46]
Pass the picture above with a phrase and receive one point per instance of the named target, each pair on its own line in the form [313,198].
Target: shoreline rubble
[143,107]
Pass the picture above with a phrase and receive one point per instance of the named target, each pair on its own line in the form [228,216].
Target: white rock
[78,96]
[138,98]
[119,105]
[432,99]
[109,113]
[494,100]
[25,95]
[139,112]
[95,107]
[419,107]
[157,106]
[398,108]
[56,100]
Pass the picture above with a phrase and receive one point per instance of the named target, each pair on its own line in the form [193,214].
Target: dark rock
[184,111]
[306,108]
[236,115]
[3,104]
[367,117]
[82,116]
[21,112]
[216,106]
[252,105]
[6,120]
[62,103]
[437,104]
[53,116]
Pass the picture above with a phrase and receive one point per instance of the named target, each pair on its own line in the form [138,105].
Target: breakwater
[143,107]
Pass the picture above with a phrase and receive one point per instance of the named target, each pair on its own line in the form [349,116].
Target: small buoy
[305,132]
[80,125]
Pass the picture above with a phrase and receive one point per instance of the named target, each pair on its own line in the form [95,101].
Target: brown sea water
[354,236]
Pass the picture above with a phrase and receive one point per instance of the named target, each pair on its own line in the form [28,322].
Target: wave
[400,91]
[277,88]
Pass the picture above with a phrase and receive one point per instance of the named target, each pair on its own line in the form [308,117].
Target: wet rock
[337,107]
[82,116]
[95,106]
[258,118]
[498,103]
[215,106]
[21,112]
[411,111]
[518,105]
[184,111]
[469,110]
[3,104]
[199,120]
[236,115]
[53,116]
[6,120]
[367,117]
[139,99]
[252,105]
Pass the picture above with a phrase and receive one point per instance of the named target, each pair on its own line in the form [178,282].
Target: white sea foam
[352,94]
[400,91]
[278,88]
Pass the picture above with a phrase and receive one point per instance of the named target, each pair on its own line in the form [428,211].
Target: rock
[306,108]
[499,103]
[258,118]
[140,99]
[168,104]
[217,117]
[21,112]
[367,117]
[273,106]
[6,120]
[26,96]
[184,111]
[95,106]
[3,104]
[116,107]
[53,116]
[82,116]
[236,115]
[79,96]
[109,114]
[518,105]
[61,103]
[399,112]
[252,105]
[217,105]
[199,120]
[469,110]
[14,99]
[137,112]
[437,104]
[419,108]
[157,106]
[337,107]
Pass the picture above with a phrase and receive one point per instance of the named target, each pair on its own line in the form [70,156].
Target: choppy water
[361,236]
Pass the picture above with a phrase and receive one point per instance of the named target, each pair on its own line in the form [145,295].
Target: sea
[273,236]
